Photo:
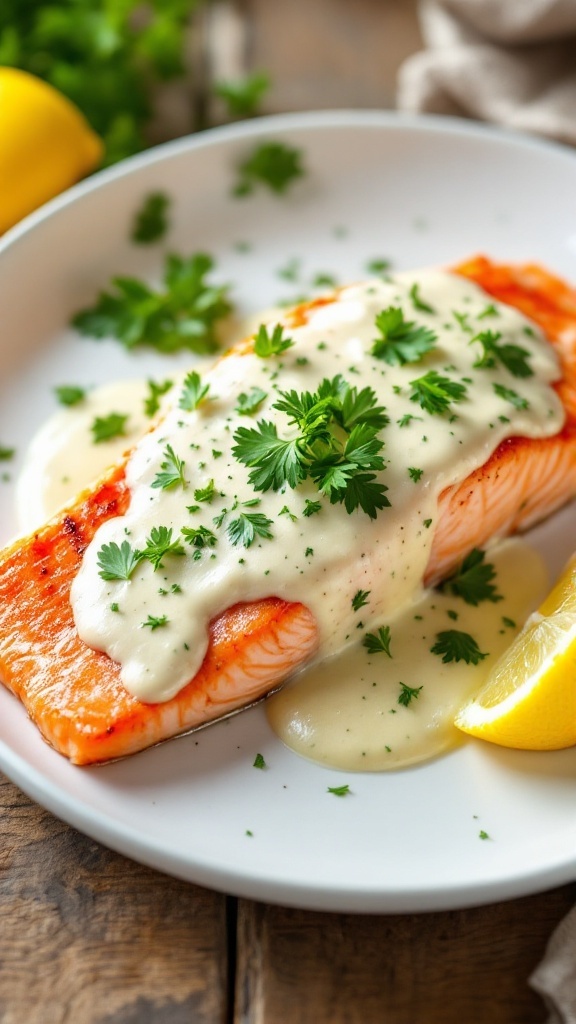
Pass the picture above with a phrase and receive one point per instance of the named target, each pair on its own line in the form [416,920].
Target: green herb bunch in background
[105,55]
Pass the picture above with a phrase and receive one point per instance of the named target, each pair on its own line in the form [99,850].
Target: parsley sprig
[378,643]
[435,393]
[160,544]
[472,581]
[513,357]
[266,344]
[247,526]
[105,428]
[455,645]
[402,341]
[181,315]
[171,471]
[193,392]
[117,562]
[337,446]
[156,389]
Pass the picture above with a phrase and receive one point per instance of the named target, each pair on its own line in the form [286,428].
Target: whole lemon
[46,144]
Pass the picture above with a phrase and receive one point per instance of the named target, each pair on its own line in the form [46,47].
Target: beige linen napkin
[555,977]
[509,62]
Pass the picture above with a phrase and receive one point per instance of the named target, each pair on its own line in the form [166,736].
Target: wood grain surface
[89,937]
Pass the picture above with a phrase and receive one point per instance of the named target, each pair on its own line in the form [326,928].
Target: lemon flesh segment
[529,699]
[46,144]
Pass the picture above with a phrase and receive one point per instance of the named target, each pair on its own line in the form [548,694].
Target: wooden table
[89,937]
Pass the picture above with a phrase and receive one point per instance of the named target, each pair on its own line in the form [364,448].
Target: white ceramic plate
[419,191]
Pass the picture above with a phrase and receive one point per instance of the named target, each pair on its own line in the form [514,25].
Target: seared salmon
[74,693]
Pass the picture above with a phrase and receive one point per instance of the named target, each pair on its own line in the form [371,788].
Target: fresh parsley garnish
[193,392]
[243,96]
[182,315]
[247,527]
[199,537]
[117,562]
[454,645]
[266,345]
[378,643]
[155,622]
[339,790]
[406,420]
[510,396]
[104,428]
[156,389]
[151,220]
[435,393]
[171,471]
[402,340]
[378,266]
[259,761]
[418,301]
[160,544]
[360,599]
[205,493]
[513,357]
[249,402]
[6,453]
[69,394]
[408,694]
[414,473]
[273,164]
[472,581]
[336,446]
[311,508]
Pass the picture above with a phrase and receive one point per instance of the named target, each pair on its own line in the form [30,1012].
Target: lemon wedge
[529,698]
[46,144]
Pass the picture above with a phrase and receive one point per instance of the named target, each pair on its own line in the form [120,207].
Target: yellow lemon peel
[46,144]
[529,699]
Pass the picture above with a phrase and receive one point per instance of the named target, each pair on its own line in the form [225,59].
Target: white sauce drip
[325,559]
[63,459]
[344,712]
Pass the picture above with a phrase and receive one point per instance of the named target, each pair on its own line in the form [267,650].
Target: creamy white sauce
[345,711]
[325,559]
[63,459]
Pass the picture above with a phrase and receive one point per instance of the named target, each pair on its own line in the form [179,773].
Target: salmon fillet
[74,694]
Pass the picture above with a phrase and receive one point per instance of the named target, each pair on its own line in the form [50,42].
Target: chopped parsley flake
[415,474]
[435,393]
[259,761]
[510,396]
[117,562]
[266,345]
[105,428]
[68,394]
[205,493]
[155,622]
[193,392]
[200,537]
[339,790]
[483,835]
[6,453]
[378,266]
[408,694]
[311,508]
[402,341]
[273,164]
[151,221]
[249,402]
[243,96]
[183,315]
[360,599]
[418,302]
[155,391]
[172,471]
[247,527]
[160,544]
[513,357]
[454,645]
[378,643]
[472,581]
